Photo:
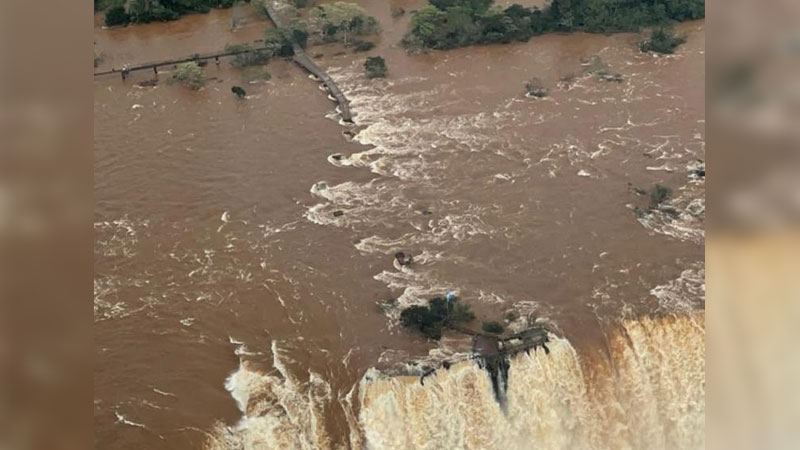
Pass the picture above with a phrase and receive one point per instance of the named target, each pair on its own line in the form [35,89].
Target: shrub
[662,40]
[493,327]
[190,75]
[602,71]
[658,194]
[421,318]
[238,91]
[445,24]
[332,22]
[117,15]
[375,67]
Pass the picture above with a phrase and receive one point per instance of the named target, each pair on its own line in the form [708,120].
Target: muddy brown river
[246,290]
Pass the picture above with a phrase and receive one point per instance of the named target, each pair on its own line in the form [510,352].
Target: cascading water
[647,393]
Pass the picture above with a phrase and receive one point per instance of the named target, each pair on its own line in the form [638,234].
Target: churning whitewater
[647,394]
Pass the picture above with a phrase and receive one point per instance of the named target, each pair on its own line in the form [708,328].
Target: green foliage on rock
[190,74]
[375,67]
[446,24]
[493,327]
[662,40]
[432,319]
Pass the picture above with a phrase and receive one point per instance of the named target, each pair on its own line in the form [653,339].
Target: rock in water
[403,259]
[238,91]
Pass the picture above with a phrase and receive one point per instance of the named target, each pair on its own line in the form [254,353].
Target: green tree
[375,67]
[662,40]
[247,55]
[190,74]
[476,6]
[658,194]
[427,24]
[340,21]
[493,327]
[238,91]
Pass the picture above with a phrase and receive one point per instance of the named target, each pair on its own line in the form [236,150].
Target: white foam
[650,396]
[126,421]
[278,411]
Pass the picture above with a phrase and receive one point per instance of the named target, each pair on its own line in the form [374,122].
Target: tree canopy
[337,21]
[432,319]
[142,11]
[445,24]
[190,74]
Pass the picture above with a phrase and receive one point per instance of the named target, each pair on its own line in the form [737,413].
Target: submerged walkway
[302,59]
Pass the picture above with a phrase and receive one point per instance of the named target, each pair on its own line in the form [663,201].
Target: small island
[490,347]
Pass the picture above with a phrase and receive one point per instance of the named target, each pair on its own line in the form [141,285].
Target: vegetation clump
[446,24]
[238,92]
[535,88]
[662,40]
[339,21]
[658,194]
[190,74]
[439,314]
[363,46]
[493,327]
[248,56]
[597,67]
[375,67]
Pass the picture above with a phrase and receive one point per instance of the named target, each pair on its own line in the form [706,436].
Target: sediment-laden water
[246,291]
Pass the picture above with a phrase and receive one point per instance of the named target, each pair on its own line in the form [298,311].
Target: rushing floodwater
[244,249]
